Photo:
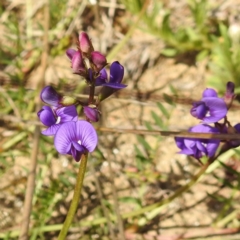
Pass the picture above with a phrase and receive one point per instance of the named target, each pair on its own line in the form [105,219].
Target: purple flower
[211,108]
[116,76]
[53,119]
[76,138]
[198,147]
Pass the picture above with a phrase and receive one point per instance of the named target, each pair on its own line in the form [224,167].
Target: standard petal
[64,137]
[86,133]
[50,96]
[67,114]
[46,116]
[209,92]
[217,109]
[70,53]
[116,72]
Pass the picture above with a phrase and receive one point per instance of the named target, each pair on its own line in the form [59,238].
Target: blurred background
[171,51]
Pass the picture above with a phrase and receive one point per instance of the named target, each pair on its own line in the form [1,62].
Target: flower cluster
[210,109]
[71,135]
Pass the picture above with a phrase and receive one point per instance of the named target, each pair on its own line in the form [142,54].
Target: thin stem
[91,94]
[76,198]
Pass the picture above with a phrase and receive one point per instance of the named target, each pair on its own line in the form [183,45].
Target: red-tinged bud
[91,113]
[78,64]
[70,53]
[85,43]
[99,60]
[229,94]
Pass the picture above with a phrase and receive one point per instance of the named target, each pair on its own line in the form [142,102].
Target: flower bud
[99,60]
[70,53]
[229,94]
[78,64]
[68,101]
[50,96]
[91,113]
[85,43]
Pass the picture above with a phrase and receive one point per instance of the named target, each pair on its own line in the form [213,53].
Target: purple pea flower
[211,108]
[54,118]
[116,76]
[199,147]
[76,138]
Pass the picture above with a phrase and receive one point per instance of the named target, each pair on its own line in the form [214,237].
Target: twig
[183,134]
[32,174]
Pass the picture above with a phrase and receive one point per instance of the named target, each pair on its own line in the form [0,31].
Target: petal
[76,154]
[217,109]
[212,147]
[199,110]
[102,78]
[86,133]
[70,53]
[114,85]
[116,72]
[67,114]
[50,96]
[78,147]
[51,130]
[46,116]
[181,144]
[237,127]
[64,137]
[200,146]
[209,92]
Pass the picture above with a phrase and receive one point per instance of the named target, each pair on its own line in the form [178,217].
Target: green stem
[76,197]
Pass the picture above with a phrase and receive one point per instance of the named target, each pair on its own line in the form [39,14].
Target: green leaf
[163,110]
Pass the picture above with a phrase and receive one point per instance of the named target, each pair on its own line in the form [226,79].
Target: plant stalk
[76,197]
